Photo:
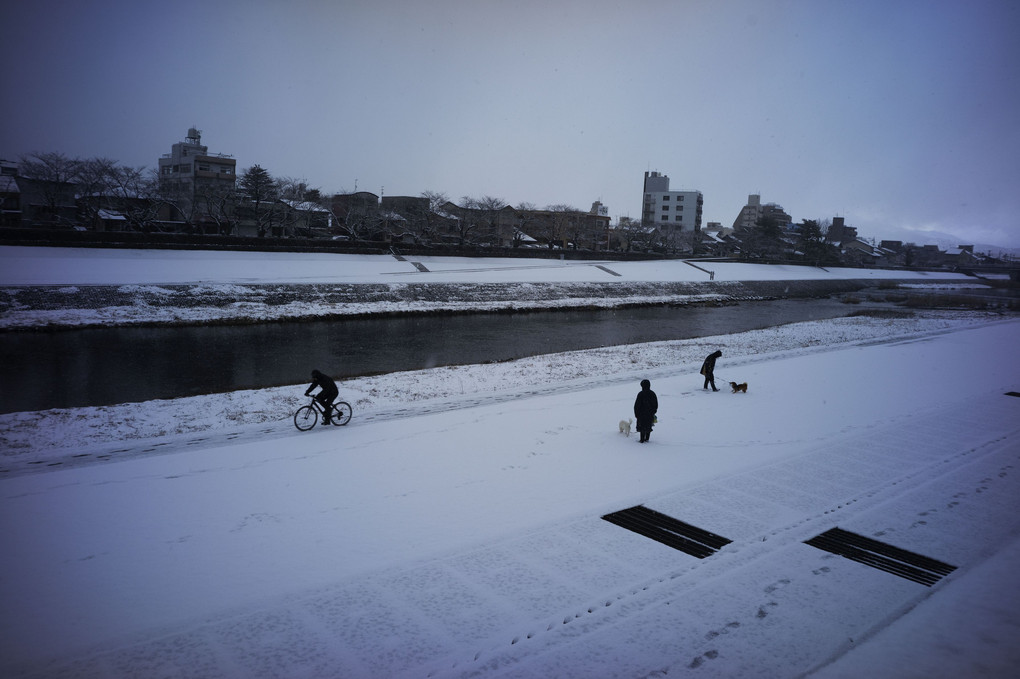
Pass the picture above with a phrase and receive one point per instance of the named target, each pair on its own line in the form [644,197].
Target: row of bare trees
[85,190]
[65,191]
[61,188]
[81,190]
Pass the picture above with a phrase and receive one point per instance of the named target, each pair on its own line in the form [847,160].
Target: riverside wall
[53,307]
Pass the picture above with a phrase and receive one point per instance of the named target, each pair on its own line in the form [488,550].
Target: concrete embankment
[55,307]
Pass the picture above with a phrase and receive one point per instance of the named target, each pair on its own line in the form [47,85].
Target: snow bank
[72,288]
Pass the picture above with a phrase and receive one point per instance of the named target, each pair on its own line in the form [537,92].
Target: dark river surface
[74,368]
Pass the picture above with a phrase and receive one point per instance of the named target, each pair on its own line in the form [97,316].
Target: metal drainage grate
[882,556]
[668,531]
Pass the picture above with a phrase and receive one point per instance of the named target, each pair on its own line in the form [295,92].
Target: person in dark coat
[645,406]
[327,392]
[708,370]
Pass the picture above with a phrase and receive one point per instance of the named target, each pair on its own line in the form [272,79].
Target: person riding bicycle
[327,394]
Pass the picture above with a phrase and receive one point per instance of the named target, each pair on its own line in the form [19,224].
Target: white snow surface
[195,287]
[23,265]
[453,528]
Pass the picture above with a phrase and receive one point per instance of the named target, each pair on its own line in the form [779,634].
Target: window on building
[665,208]
[665,197]
[665,218]
[680,198]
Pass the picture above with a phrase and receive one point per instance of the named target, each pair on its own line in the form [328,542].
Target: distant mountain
[997,251]
[943,240]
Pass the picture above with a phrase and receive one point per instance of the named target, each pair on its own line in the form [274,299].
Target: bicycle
[307,416]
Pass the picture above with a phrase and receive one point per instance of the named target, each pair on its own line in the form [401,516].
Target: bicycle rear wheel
[305,417]
[342,413]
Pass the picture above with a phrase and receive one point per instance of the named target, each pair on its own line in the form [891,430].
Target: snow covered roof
[863,246]
[111,215]
[304,205]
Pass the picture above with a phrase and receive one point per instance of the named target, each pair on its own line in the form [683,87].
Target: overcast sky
[901,116]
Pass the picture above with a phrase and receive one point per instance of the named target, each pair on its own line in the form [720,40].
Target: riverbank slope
[52,288]
[459,532]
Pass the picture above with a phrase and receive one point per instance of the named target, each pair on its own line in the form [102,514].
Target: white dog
[625,426]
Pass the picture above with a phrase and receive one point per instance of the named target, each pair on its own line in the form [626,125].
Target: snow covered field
[453,528]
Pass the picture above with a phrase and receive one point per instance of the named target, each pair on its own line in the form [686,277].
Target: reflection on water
[74,368]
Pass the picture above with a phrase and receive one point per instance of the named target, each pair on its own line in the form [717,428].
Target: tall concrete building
[749,214]
[755,210]
[189,170]
[676,210]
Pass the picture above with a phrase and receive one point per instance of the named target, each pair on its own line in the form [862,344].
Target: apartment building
[754,210]
[670,210]
[189,170]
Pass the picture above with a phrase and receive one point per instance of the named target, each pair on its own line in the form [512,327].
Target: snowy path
[289,557]
[351,553]
[71,438]
[543,603]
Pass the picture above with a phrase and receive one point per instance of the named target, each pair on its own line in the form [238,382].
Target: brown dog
[739,387]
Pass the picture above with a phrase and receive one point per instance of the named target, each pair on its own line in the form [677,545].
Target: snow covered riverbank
[52,288]
[32,437]
[454,528]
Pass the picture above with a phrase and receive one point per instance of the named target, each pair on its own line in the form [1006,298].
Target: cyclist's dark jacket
[328,386]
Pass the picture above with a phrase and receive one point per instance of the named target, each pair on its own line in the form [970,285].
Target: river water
[75,368]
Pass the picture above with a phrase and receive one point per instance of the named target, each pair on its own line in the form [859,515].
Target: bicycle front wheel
[342,413]
[305,417]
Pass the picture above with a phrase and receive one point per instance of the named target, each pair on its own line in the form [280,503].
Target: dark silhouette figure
[645,406]
[327,392]
[708,370]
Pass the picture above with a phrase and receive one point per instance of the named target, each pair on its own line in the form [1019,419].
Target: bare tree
[526,222]
[297,190]
[94,178]
[560,226]
[425,226]
[177,198]
[486,219]
[52,178]
[629,231]
[129,191]
[103,184]
[218,202]
[139,188]
[353,212]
